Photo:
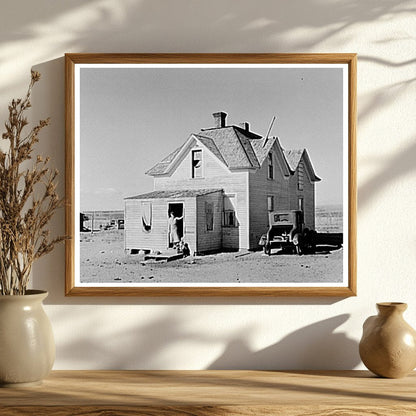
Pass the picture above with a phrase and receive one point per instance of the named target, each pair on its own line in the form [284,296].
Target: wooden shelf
[202,393]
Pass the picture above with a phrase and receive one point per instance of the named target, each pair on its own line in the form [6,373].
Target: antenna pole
[268,131]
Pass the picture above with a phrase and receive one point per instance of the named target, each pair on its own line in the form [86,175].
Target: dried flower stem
[23,217]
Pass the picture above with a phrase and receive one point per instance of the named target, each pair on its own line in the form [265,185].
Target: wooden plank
[209,240]
[167,255]
[213,393]
[260,58]
[69,174]
[259,410]
[225,291]
[352,174]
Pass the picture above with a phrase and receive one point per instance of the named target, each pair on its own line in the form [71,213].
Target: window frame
[270,203]
[226,223]
[301,176]
[193,168]
[270,166]
[211,205]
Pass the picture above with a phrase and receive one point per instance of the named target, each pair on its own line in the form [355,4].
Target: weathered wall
[157,239]
[209,240]
[198,333]
[307,193]
[260,187]
[215,176]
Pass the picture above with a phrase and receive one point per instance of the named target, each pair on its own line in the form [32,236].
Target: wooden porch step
[168,255]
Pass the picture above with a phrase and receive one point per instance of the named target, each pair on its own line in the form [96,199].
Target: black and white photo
[198,175]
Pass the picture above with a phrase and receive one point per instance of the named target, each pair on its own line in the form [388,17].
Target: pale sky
[132,118]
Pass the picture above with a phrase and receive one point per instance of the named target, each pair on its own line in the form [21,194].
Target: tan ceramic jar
[388,345]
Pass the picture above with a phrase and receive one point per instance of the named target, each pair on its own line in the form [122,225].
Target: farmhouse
[220,185]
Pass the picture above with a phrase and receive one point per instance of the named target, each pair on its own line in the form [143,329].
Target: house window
[229,218]
[147,216]
[270,203]
[209,215]
[301,174]
[196,163]
[300,204]
[270,167]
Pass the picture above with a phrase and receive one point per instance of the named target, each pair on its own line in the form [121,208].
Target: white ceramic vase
[27,347]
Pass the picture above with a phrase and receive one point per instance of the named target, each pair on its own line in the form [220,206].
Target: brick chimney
[245,126]
[220,118]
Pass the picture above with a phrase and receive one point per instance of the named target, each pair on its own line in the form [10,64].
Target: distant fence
[101,220]
[329,219]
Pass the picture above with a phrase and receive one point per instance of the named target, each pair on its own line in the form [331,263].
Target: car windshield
[281,217]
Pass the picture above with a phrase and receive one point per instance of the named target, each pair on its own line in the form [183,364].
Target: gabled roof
[210,145]
[186,193]
[162,167]
[262,147]
[294,157]
[236,148]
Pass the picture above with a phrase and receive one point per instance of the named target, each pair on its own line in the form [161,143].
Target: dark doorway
[175,230]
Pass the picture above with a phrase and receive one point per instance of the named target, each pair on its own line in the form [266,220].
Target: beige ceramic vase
[388,344]
[27,347]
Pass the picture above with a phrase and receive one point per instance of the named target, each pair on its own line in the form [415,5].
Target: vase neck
[390,308]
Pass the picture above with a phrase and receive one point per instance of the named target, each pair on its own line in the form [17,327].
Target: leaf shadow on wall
[140,26]
[316,346]
[151,345]
[394,167]
[141,346]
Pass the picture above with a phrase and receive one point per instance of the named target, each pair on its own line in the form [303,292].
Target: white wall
[200,333]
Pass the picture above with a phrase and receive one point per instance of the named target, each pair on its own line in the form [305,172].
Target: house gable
[234,147]
[177,158]
[294,157]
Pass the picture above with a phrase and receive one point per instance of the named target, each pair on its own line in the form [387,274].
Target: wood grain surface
[202,393]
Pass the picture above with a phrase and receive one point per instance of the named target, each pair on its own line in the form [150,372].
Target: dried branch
[24,217]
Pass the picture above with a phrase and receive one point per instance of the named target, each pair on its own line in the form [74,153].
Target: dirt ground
[103,260]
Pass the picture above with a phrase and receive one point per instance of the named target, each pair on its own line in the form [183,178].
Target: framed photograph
[211,174]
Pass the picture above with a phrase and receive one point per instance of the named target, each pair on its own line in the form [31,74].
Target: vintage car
[286,231]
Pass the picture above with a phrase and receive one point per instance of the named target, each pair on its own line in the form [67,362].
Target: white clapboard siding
[231,238]
[215,176]
[209,240]
[157,239]
[308,195]
[260,188]
[211,166]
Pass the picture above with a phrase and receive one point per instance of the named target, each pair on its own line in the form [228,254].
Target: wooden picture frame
[124,110]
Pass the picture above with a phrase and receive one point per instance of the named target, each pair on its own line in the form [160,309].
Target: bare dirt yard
[103,260]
